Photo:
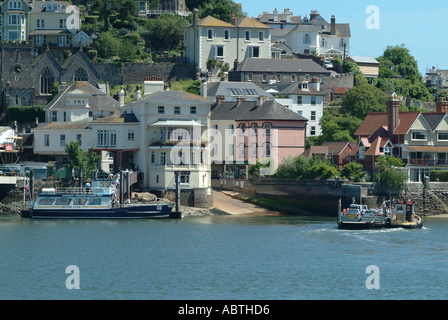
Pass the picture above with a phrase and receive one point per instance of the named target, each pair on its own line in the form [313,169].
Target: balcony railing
[428,162]
[179,143]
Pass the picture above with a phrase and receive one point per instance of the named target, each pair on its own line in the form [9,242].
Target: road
[226,201]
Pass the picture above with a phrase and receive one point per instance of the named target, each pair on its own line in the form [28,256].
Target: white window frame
[210,35]
[62,140]
[46,140]
[441,132]
[415,133]
[267,149]
[313,116]
[242,151]
[161,110]
[264,77]
[224,35]
[131,135]
[193,110]
[267,129]
[247,36]
[250,77]
[261,36]
[313,100]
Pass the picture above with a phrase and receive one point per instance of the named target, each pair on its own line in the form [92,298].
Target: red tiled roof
[375,120]
[339,90]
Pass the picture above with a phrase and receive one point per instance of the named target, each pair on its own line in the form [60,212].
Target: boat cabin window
[79,202]
[94,202]
[46,201]
[63,202]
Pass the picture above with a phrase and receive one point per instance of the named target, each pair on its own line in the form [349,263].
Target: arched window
[81,75]
[23,101]
[46,81]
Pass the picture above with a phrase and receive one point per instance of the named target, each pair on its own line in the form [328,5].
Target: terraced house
[212,38]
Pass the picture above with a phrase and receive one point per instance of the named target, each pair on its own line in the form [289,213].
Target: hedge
[438,175]
[25,114]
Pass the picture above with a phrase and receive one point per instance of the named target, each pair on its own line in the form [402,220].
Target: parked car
[328,64]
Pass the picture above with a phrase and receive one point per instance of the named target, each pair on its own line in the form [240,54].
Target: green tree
[362,99]
[127,51]
[353,171]
[107,45]
[79,160]
[337,127]
[166,31]
[386,174]
[397,60]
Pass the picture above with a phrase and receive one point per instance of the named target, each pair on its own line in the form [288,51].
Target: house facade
[172,137]
[247,131]
[306,99]
[50,24]
[211,38]
[419,139]
[315,34]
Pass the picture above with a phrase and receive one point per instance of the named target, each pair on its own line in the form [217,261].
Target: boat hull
[359,225]
[139,212]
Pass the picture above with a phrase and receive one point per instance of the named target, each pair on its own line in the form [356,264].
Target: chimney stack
[233,20]
[275,17]
[195,17]
[153,84]
[314,14]
[137,93]
[236,64]
[393,117]
[333,25]
[287,15]
[203,88]
[240,99]
[261,100]
[219,99]
[442,105]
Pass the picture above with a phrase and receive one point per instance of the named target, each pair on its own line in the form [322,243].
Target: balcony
[428,162]
[178,143]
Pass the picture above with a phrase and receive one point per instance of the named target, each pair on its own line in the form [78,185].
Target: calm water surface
[220,257]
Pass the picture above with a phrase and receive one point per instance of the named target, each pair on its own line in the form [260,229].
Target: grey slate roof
[281,65]
[269,18]
[249,89]
[249,111]
[161,96]
[98,100]
[295,89]
[433,119]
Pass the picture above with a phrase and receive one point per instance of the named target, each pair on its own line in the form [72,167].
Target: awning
[50,32]
[177,123]
[426,148]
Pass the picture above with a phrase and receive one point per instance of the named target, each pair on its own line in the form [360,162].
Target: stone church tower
[16,75]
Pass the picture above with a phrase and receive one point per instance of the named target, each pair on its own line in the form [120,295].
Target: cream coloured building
[212,38]
[172,137]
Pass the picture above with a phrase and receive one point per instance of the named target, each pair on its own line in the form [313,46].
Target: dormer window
[305,86]
[52,7]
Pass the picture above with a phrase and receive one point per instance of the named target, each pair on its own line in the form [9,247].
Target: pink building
[263,129]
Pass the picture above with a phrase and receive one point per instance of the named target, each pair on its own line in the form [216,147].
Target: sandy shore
[438,216]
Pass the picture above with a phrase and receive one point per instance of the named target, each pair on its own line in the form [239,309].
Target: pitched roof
[336,147]
[64,126]
[117,118]
[281,65]
[161,96]
[230,88]
[339,90]
[312,150]
[377,119]
[267,17]
[210,21]
[433,119]
[295,89]
[250,111]
[247,22]
[98,100]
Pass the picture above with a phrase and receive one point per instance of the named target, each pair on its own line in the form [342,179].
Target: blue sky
[419,25]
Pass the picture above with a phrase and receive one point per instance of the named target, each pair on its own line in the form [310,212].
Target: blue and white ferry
[97,202]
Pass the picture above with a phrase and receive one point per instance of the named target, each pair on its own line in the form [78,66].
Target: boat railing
[81,191]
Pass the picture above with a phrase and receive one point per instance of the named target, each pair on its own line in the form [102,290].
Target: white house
[305,99]
[314,34]
[212,38]
[167,118]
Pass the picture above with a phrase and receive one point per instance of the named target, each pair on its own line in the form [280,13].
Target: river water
[220,257]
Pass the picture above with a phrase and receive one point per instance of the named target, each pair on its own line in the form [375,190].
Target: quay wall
[321,198]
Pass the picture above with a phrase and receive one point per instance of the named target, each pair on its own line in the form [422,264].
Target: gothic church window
[46,81]
[81,75]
